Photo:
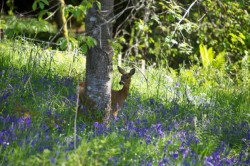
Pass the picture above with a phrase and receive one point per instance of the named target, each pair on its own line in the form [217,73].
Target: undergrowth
[190,117]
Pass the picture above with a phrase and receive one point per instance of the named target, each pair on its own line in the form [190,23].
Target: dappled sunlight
[180,95]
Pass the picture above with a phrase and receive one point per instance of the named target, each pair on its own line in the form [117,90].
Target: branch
[184,16]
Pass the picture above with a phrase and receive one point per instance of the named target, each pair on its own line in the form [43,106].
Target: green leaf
[210,54]
[34,6]
[2,24]
[235,38]
[77,12]
[63,43]
[91,42]
[204,55]
[99,5]
[45,2]
[41,5]
[73,42]
[84,48]
[69,8]
[220,60]
[41,14]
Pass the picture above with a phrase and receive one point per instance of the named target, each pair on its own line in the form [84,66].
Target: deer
[117,96]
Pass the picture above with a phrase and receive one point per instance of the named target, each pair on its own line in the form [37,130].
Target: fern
[211,54]
[204,55]
[208,57]
[220,60]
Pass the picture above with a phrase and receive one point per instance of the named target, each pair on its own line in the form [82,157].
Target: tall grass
[187,118]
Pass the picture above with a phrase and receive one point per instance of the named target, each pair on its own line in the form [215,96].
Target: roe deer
[117,96]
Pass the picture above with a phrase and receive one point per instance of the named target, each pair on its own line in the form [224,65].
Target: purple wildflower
[175,155]
[53,160]
[185,152]
[96,124]
[151,101]
[158,128]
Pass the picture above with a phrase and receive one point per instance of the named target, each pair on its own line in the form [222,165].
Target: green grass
[193,117]
[28,27]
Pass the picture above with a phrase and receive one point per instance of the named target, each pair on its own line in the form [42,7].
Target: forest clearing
[180,97]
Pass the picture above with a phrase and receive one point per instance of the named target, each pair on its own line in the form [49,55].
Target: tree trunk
[99,58]
[60,18]
[1,34]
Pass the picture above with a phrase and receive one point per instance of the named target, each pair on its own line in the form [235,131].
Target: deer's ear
[121,70]
[132,71]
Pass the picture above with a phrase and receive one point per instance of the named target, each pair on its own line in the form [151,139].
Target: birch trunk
[99,58]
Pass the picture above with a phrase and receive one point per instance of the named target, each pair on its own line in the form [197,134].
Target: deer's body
[117,96]
[81,87]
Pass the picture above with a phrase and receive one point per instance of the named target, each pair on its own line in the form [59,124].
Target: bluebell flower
[5,96]
[158,128]
[185,153]
[96,124]
[230,161]
[42,147]
[177,85]
[44,127]
[125,104]
[175,155]
[130,125]
[28,121]
[53,161]
[148,139]
[151,101]
[2,140]
[1,118]
[160,163]
[20,121]
[248,134]
[149,163]
[138,120]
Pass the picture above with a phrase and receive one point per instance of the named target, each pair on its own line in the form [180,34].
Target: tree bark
[99,58]
[60,18]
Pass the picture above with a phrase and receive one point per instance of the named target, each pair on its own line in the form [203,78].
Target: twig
[32,91]
[184,16]
[77,105]
[57,33]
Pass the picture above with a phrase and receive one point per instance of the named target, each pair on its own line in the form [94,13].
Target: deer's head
[126,77]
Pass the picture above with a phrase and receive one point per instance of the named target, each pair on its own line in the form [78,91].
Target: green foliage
[225,27]
[170,33]
[2,24]
[63,43]
[86,42]
[79,12]
[40,3]
[21,55]
[10,4]
[209,59]
[156,35]
[167,32]
[26,27]
[71,43]
[97,151]
[171,116]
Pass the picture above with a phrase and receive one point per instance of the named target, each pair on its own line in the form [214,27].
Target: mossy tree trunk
[60,18]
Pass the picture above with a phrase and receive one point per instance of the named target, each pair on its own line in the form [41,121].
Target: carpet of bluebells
[163,122]
[146,132]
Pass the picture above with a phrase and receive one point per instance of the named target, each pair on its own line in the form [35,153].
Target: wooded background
[166,32]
